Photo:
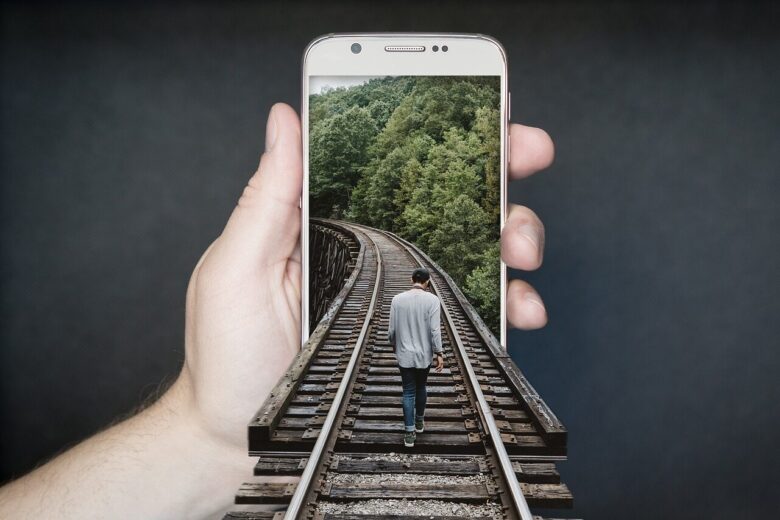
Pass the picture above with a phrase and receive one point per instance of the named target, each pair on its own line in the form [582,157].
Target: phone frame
[471,55]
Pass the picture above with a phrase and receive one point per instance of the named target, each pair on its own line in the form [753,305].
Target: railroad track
[490,443]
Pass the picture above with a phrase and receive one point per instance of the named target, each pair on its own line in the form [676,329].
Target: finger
[532,150]
[522,239]
[524,307]
[265,224]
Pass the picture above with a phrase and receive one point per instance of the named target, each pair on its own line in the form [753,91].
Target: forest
[419,156]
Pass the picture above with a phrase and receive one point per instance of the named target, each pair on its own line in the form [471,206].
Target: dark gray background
[128,132]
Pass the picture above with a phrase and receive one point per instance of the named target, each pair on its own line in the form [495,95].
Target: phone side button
[508,122]
[508,147]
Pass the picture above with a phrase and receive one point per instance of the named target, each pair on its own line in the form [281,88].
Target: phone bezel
[471,55]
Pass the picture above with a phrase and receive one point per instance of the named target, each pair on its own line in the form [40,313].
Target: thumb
[265,224]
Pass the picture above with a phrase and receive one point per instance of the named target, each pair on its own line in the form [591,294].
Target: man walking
[415,333]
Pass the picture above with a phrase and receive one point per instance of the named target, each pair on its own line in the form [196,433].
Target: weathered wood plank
[301,423]
[393,400]
[313,400]
[529,445]
[460,467]
[378,425]
[306,436]
[372,369]
[253,515]
[396,412]
[396,380]
[435,442]
[397,390]
[547,495]
[279,466]
[265,493]
[536,472]
[516,415]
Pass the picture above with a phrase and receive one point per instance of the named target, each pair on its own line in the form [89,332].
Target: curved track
[490,442]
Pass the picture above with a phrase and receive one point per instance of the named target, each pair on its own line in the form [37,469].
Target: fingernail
[270,130]
[532,297]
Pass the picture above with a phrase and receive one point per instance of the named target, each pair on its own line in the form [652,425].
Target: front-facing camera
[356,48]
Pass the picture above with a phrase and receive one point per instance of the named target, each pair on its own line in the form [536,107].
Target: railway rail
[329,438]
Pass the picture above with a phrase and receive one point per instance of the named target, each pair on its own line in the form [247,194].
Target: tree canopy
[418,156]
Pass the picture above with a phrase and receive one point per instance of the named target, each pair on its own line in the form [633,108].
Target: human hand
[522,239]
[244,296]
[439,362]
[242,331]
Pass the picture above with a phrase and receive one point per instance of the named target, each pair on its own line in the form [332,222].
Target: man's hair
[421,275]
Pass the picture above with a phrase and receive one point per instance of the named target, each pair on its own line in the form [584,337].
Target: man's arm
[435,328]
[391,325]
[186,455]
[161,463]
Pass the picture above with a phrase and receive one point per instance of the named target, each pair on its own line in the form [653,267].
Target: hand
[439,362]
[522,239]
[243,311]
[244,297]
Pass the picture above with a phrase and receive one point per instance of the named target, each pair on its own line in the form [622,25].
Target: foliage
[483,284]
[418,156]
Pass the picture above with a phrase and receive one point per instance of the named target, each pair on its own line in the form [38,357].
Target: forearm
[436,340]
[160,463]
[435,328]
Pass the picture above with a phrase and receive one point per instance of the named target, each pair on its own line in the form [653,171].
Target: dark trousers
[415,395]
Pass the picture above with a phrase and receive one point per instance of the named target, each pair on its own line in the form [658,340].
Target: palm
[243,329]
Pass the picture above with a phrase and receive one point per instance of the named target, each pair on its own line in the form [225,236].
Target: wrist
[180,402]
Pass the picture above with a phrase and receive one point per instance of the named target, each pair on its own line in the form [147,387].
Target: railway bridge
[333,424]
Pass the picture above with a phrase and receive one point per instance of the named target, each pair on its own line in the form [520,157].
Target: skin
[185,455]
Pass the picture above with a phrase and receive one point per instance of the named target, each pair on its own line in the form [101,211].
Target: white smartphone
[408,133]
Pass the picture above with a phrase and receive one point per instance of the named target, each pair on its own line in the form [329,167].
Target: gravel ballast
[411,507]
[424,508]
[404,478]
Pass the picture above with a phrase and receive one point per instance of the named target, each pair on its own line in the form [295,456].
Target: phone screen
[418,156]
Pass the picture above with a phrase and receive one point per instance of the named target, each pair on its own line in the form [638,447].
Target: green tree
[483,286]
[459,238]
[339,149]
[419,156]
[487,128]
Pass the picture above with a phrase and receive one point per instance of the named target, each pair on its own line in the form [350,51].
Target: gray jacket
[414,328]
